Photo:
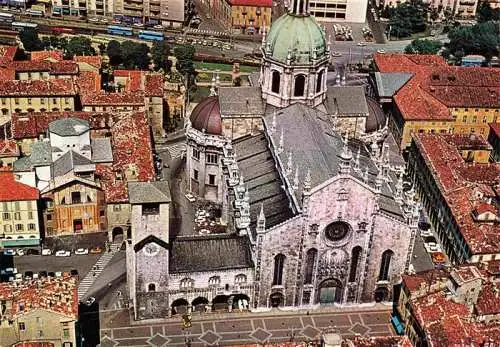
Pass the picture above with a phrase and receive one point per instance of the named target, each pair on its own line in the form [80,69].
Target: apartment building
[460,8]
[19,218]
[338,11]
[169,13]
[40,312]
[249,16]
[425,95]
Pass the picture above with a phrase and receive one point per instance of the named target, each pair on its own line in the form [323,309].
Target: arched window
[355,257]
[151,287]
[214,281]
[310,260]
[384,265]
[279,261]
[275,85]
[319,81]
[300,83]
[241,278]
[187,283]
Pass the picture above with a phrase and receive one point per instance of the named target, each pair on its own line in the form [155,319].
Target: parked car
[138,25]
[96,250]
[63,253]
[51,274]
[90,301]
[33,251]
[336,54]
[20,252]
[28,275]
[46,251]
[58,274]
[93,20]
[361,44]
[82,251]
[158,27]
[43,273]
[74,272]
[381,51]
[8,252]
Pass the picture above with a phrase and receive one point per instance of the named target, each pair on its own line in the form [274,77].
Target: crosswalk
[99,266]
[177,150]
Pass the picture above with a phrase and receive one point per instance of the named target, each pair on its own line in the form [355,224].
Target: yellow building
[250,16]
[39,311]
[35,96]
[19,221]
[425,95]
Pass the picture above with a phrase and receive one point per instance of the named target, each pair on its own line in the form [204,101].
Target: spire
[217,80]
[365,175]
[307,181]
[289,164]
[299,7]
[264,36]
[379,180]
[289,56]
[212,87]
[345,157]
[337,79]
[356,161]
[399,189]
[296,179]
[273,124]
[280,148]
[261,220]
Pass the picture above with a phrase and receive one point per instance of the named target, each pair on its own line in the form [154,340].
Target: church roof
[69,126]
[210,253]
[71,161]
[388,83]
[262,179]
[346,100]
[206,116]
[148,192]
[241,101]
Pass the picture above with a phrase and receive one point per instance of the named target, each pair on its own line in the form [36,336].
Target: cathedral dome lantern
[206,116]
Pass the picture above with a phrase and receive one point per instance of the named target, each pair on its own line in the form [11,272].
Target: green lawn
[223,67]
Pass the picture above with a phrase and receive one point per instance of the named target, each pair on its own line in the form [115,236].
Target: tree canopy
[485,13]
[423,46]
[160,53]
[135,55]
[408,18]
[482,38]
[114,51]
[185,61]
[30,40]
[79,45]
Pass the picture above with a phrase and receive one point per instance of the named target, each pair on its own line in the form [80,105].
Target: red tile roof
[252,3]
[153,86]
[134,79]
[435,87]
[429,278]
[42,55]
[54,87]
[113,99]
[467,141]
[377,341]
[11,190]
[94,60]
[488,302]
[31,125]
[59,68]
[7,73]
[494,267]
[458,182]
[132,146]
[7,53]
[34,344]
[53,294]
[88,82]
[9,148]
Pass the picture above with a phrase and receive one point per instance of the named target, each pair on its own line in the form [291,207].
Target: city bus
[61,30]
[117,30]
[20,26]
[151,35]
[6,17]
[34,13]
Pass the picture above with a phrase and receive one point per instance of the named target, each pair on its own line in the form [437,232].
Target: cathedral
[291,194]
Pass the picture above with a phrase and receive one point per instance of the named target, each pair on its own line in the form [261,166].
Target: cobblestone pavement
[117,330]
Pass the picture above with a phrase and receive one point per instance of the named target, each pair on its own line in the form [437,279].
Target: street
[51,263]
[239,328]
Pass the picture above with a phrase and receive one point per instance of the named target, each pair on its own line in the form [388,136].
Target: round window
[336,231]
[151,249]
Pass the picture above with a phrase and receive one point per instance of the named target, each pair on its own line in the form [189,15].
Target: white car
[46,251]
[90,301]
[381,51]
[20,252]
[361,44]
[158,27]
[138,25]
[93,20]
[82,251]
[336,54]
[63,253]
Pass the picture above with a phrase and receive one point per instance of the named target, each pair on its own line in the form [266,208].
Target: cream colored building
[19,217]
[339,11]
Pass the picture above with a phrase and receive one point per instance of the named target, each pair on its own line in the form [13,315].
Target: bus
[61,30]
[34,13]
[151,35]
[117,30]
[20,26]
[6,17]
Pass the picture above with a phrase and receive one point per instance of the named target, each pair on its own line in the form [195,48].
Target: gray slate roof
[69,126]
[210,253]
[41,153]
[388,83]
[148,192]
[253,78]
[376,117]
[346,100]
[70,161]
[240,101]
[22,164]
[263,181]
[101,150]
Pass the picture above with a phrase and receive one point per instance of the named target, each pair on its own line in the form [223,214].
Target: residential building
[250,16]
[459,197]
[166,13]
[494,140]
[75,8]
[450,308]
[339,11]
[221,11]
[449,99]
[36,312]
[44,69]
[459,8]
[19,218]
[9,152]
[89,63]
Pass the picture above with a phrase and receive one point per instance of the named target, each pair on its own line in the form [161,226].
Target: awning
[20,242]
[397,325]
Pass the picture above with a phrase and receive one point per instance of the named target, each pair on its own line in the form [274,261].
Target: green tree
[423,46]
[485,13]
[135,55]
[185,61]
[160,53]
[408,18]
[30,40]
[482,38]
[114,52]
[79,45]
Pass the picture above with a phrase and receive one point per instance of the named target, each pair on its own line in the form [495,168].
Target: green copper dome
[300,34]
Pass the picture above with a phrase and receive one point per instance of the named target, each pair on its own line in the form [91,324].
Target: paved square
[107,342]
[158,340]
[233,325]
[311,332]
[359,329]
[210,337]
[260,335]
[282,323]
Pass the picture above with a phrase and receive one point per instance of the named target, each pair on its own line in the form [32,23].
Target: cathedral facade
[291,208]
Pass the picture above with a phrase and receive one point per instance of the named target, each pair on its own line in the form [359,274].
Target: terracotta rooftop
[8,148]
[134,79]
[435,87]
[94,60]
[11,190]
[377,341]
[34,344]
[494,267]
[7,53]
[430,277]
[31,125]
[466,273]
[113,99]
[43,55]
[55,87]
[488,302]
[88,82]
[54,294]
[467,141]
[251,3]
[458,181]
[7,73]
[132,148]
[63,67]
[153,85]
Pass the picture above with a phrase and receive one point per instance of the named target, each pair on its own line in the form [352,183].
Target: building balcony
[132,7]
